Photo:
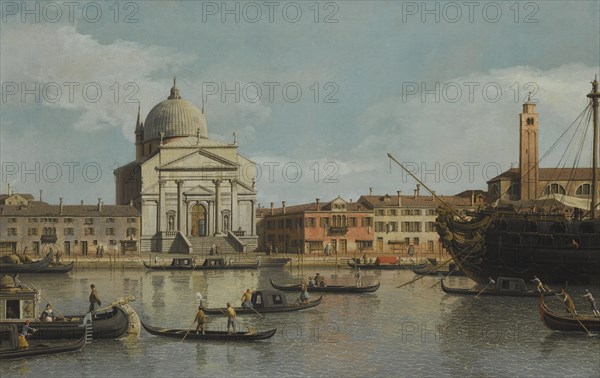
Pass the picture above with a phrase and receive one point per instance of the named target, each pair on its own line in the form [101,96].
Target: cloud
[63,69]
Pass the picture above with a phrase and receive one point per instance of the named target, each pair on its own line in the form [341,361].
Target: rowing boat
[209,335]
[328,288]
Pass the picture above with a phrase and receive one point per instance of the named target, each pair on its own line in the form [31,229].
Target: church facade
[192,192]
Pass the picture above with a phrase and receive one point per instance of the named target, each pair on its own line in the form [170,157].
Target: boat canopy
[554,199]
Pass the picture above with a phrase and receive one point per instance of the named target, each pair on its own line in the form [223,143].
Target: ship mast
[594,95]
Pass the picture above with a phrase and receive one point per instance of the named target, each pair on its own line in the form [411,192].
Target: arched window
[495,190]
[583,190]
[554,188]
[514,190]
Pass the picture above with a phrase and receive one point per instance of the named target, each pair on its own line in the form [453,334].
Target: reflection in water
[418,327]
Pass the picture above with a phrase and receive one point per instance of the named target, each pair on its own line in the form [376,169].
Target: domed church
[192,192]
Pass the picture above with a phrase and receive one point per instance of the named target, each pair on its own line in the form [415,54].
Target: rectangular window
[416,241]
[429,226]
[88,221]
[367,222]
[324,221]
[280,223]
[430,245]
[364,244]
[33,220]
[417,212]
[130,220]
[407,241]
[110,220]
[380,212]
[89,231]
[68,220]
[69,231]
[352,222]
[110,231]
[411,226]
[12,220]
[393,226]
[12,232]
[393,212]
[132,231]
[33,231]
[430,211]
[288,223]
[379,227]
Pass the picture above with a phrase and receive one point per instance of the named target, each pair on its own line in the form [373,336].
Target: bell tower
[528,150]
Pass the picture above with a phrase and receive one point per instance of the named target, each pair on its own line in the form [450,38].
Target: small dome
[175,117]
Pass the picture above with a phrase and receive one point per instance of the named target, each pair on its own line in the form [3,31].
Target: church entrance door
[198,220]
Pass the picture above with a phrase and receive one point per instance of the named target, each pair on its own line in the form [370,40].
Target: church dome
[175,117]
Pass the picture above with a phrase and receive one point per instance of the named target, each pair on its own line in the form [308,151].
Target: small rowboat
[31,267]
[328,288]
[188,263]
[505,287]
[579,323]
[266,301]
[209,335]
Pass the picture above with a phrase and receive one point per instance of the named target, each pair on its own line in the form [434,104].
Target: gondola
[110,324]
[328,288]
[355,265]
[505,287]
[209,335]
[267,301]
[9,334]
[273,262]
[188,263]
[30,267]
[579,323]
[60,268]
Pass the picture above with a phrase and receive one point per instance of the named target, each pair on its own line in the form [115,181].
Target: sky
[318,93]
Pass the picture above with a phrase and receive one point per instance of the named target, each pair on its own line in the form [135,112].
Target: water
[414,331]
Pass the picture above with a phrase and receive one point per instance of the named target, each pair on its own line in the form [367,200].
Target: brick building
[308,228]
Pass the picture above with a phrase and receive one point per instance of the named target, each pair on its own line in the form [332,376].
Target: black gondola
[188,263]
[328,288]
[30,267]
[59,268]
[579,323]
[267,301]
[209,335]
[432,270]
[21,304]
[273,261]
[10,343]
[505,287]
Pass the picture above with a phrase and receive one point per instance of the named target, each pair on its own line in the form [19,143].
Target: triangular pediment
[199,160]
[199,190]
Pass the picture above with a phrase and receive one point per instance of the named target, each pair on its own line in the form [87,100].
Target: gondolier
[94,299]
[592,301]
[200,318]
[25,332]
[247,298]
[230,312]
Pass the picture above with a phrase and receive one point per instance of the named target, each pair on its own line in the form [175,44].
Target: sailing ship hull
[493,244]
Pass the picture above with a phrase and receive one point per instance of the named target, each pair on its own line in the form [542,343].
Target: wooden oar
[577,318]
[47,300]
[482,290]
[422,276]
[188,331]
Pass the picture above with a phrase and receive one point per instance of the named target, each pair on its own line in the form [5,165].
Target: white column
[233,217]
[217,226]
[253,219]
[179,200]
[160,204]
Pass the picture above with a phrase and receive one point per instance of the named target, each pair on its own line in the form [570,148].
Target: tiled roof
[311,207]
[411,201]
[550,174]
[68,211]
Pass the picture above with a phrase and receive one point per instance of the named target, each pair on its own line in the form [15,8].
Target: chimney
[41,191]
[283,206]
[399,198]
[472,198]
[9,189]
[318,204]
[370,191]
[99,204]
[433,195]
[418,189]
[272,208]
[415,193]
[60,211]
[81,202]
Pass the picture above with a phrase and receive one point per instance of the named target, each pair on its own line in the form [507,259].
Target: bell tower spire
[528,150]
[139,137]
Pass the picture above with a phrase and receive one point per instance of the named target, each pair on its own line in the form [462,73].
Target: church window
[554,189]
[583,190]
